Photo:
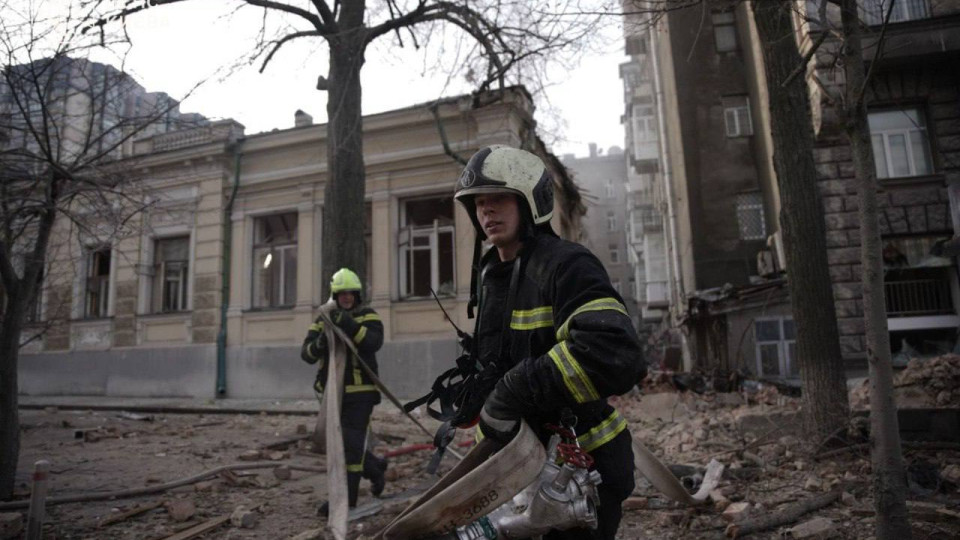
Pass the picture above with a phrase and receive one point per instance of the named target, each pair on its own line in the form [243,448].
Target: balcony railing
[873,12]
[918,297]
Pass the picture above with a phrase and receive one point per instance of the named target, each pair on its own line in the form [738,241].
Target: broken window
[426,247]
[614,253]
[900,146]
[916,282]
[171,265]
[275,260]
[776,347]
[97,294]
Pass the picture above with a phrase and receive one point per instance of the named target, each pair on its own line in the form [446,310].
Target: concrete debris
[636,503]
[204,487]
[250,455]
[243,518]
[11,525]
[181,510]
[815,529]
[812,483]
[925,383]
[737,511]
[951,473]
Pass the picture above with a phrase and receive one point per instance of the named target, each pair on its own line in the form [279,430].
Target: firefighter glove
[500,417]
[346,322]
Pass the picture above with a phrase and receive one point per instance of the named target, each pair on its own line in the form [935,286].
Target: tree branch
[302,13]
[279,43]
[876,53]
[329,18]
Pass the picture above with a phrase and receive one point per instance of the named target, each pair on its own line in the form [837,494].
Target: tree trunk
[889,476]
[825,407]
[343,196]
[9,416]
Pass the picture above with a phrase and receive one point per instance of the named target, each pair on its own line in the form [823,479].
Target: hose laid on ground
[135,492]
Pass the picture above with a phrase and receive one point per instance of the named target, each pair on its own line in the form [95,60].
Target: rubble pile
[925,383]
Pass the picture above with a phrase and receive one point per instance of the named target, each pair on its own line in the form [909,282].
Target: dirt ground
[768,470]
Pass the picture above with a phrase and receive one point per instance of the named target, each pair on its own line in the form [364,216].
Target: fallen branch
[124,493]
[781,517]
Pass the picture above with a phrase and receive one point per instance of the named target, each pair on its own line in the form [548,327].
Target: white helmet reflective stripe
[504,169]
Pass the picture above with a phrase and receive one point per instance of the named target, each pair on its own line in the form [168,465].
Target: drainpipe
[237,149]
[676,288]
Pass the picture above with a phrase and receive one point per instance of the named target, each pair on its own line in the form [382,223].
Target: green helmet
[345,280]
[499,169]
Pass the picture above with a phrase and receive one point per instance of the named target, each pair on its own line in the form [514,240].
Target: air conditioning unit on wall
[775,242]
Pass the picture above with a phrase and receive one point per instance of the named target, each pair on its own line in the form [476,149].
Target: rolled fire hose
[484,480]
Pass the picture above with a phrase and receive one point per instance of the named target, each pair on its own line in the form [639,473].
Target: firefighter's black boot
[373,470]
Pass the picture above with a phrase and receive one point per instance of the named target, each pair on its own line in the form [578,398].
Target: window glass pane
[770,360]
[266,285]
[921,153]
[418,278]
[788,330]
[900,119]
[423,211]
[276,229]
[445,262]
[879,156]
[898,155]
[289,275]
[768,330]
[743,121]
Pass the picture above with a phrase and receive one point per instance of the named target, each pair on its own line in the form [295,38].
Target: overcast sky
[176,46]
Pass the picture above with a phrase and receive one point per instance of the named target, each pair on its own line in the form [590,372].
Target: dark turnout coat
[366,331]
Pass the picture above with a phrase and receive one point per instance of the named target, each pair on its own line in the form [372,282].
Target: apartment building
[602,179]
[730,306]
[213,291]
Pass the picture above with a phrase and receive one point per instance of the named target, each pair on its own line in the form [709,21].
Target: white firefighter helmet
[499,169]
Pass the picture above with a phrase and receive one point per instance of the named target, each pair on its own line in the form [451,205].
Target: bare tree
[825,406]
[502,42]
[66,124]
[889,473]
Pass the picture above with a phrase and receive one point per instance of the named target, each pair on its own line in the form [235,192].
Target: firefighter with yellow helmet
[362,324]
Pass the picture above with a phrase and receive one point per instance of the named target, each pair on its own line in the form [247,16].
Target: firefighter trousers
[361,463]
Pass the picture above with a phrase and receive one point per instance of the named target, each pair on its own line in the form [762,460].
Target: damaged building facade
[729,305]
[141,313]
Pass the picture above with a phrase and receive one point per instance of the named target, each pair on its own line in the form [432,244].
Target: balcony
[918,298]
[657,296]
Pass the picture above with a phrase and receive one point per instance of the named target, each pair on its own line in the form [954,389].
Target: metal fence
[916,297]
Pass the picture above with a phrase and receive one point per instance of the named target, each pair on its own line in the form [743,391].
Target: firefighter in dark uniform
[551,322]
[363,325]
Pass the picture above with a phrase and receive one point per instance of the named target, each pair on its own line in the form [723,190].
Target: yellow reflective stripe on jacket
[317,327]
[355,468]
[599,304]
[576,381]
[368,317]
[603,432]
[531,319]
[362,333]
[354,388]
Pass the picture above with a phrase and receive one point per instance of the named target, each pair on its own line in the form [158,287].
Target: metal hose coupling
[564,496]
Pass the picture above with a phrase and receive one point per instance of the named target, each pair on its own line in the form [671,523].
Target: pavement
[305,407]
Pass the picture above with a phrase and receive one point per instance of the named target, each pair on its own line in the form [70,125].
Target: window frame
[102,301]
[279,251]
[614,253]
[405,243]
[874,12]
[908,133]
[785,359]
[724,21]
[750,206]
[739,126]
[158,286]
